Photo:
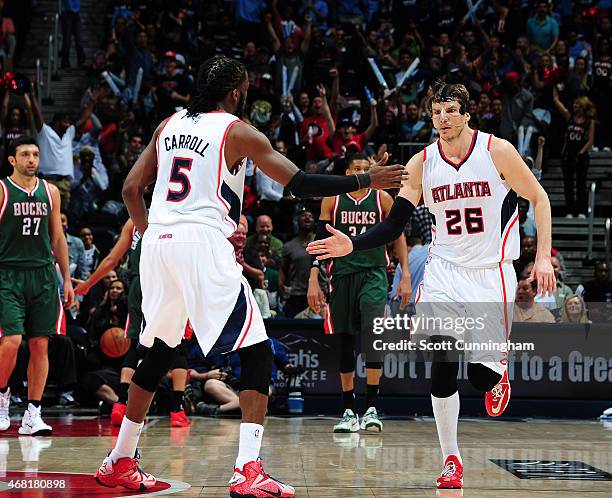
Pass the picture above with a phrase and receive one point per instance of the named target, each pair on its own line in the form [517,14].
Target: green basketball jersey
[134,261]
[353,218]
[24,226]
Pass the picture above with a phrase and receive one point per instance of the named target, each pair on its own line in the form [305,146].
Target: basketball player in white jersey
[468,180]
[188,268]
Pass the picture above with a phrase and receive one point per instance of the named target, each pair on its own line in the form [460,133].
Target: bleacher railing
[39,79]
[47,99]
[607,235]
[591,215]
[55,45]
[52,61]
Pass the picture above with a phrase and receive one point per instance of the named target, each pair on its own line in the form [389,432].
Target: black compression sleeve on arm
[387,230]
[320,234]
[313,185]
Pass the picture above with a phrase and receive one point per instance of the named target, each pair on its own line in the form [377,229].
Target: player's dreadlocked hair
[216,77]
[441,91]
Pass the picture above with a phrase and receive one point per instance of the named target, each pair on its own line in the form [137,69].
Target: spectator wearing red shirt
[346,133]
[318,127]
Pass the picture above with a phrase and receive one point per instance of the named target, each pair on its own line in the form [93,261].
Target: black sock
[177,401]
[123,392]
[3,389]
[371,395]
[348,397]
[35,403]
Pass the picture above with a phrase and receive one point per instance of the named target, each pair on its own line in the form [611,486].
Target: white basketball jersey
[193,183]
[475,212]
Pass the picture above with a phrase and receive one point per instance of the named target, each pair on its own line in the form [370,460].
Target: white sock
[129,434]
[250,443]
[446,413]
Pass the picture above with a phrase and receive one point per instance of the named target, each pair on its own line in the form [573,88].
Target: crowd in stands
[533,69]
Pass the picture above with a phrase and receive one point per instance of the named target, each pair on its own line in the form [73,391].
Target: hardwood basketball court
[556,458]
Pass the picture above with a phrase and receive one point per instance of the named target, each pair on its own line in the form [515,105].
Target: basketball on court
[113,342]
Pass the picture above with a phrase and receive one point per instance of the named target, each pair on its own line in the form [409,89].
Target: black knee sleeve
[156,363]
[256,367]
[376,365]
[444,378]
[132,357]
[347,353]
[482,377]
[180,362]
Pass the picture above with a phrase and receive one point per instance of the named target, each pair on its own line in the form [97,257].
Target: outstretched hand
[336,246]
[383,177]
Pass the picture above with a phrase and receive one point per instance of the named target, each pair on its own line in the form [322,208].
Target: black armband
[387,230]
[314,185]
[320,234]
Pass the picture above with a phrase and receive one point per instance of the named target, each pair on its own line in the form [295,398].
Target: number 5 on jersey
[180,177]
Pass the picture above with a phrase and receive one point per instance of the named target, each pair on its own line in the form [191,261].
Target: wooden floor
[403,461]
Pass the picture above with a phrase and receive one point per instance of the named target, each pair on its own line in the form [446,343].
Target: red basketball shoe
[452,474]
[497,399]
[179,419]
[117,414]
[253,482]
[124,472]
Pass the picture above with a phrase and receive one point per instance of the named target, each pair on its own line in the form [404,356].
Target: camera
[16,83]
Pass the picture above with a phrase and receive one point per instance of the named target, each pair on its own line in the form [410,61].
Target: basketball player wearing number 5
[31,239]
[188,268]
[469,181]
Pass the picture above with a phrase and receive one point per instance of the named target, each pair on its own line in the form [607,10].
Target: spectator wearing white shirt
[267,188]
[270,193]
[55,143]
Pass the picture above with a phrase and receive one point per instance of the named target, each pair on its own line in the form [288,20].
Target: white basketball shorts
[485,295]
[190,271]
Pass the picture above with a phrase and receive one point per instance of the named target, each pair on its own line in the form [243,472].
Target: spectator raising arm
[326,110]
[4,112]
[373,120]
[36,114]
[335,89]
[559,105]
[276,44]
[88,108]
[39,120]
[110,262]
[307,34]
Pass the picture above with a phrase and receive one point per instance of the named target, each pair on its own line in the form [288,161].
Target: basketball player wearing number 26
[469,180]
[187,265]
